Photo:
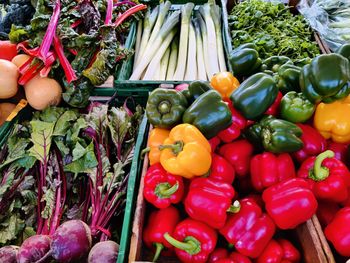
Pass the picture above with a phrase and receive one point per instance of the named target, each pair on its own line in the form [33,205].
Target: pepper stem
[164,190]
[144,151]
[319,172]
[176,147]
[234,208]
[159,248]
[191,245]
[164,107]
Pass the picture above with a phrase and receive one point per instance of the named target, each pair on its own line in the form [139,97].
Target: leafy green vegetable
[272,28]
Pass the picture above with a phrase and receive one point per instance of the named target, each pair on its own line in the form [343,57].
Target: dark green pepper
[272,64]
[326,78]
[255,95]
[287,78]
[295,107]
[276,136]
[165,107]
[198,87]
[244,60]
[279,136]
[344,50]
[209,114]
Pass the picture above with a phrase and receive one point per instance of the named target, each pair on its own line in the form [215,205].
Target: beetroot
[71,241]
[105,251]
[8,254]
[33,248]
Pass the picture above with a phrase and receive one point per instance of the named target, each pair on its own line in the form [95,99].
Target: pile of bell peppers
[234,165]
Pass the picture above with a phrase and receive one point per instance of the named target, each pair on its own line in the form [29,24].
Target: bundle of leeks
[179,45]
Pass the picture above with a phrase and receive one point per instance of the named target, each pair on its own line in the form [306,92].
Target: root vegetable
[9,75]
[106,251]
[71,242]
[20,59]
[5,110]
[33,249]
[43,92]
[8,254]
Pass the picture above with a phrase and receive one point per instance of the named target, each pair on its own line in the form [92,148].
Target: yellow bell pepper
[333,120]
[224,83]
[155,139]
[186,152]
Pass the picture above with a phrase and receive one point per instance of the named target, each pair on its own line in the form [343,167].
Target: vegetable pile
[330,19]
[65,173]
[179,45]
[77,45]
[233,166]
[272,28]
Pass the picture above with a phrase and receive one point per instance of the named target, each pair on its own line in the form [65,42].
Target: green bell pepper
[198,87]
[209,114]
[326,78]
[344,50]
[295,107]
[244,60]
[276,136]
[287,78]
[165,107]
[272,64]
[255,95]
[279,136]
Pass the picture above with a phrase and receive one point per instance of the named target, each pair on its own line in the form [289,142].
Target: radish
[33,249]
[105,251]
[70,242]
[8,254]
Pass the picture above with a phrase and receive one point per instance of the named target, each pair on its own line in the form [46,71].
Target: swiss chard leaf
[10,228]
[41,137]
[83,159]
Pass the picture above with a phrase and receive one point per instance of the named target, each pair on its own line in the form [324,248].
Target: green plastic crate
[137,96]
[104,94]
[121,77]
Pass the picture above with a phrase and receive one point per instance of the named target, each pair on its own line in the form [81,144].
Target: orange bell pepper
[155,139]
[186,152]
[225,83]
[333,120]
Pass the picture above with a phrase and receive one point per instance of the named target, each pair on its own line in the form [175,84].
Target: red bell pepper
[314,143]
[161,188]
[209,201]
[221,255]
[249,230]
[275,107]
[290,203]
[160,222]
[221,170]
[267,169]
[341,151]
[326,211]
[239,258]
[328,176]
[238,124]
[338,232]
[279,251]
[238,153]
[193,241]
[214,143]
[290,252]
[217,254]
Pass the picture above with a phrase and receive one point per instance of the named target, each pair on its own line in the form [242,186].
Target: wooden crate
[313,244]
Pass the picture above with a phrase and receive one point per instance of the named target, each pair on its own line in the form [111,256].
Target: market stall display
[247,155]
